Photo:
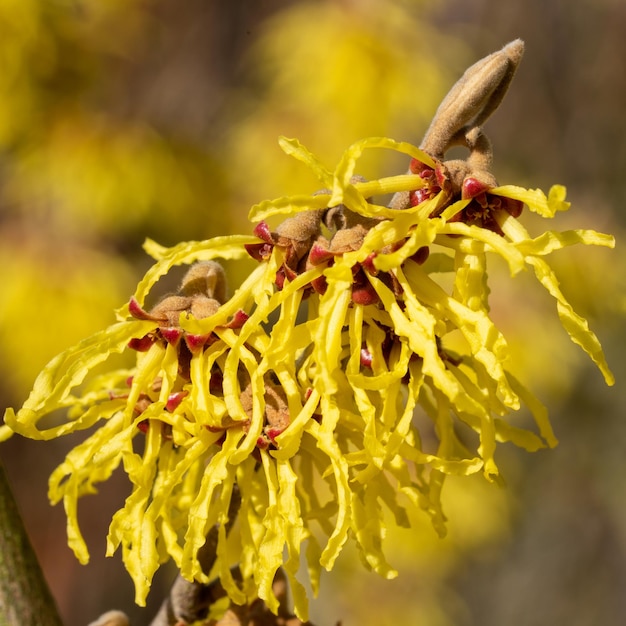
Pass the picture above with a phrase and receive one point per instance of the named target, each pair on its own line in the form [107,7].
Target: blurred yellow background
[121,120]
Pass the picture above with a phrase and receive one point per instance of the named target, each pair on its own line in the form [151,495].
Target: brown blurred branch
[25,598]
[254,614]
[257,613]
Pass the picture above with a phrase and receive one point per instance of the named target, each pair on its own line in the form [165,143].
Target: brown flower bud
[276,407]
[205,278]
[474,97]
[170,308]
[203,306]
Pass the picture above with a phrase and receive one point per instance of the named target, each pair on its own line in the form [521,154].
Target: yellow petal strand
[74,537]
[487,344]
[391,184]
[367,409]
[149,368]
[538,410]
[470,281]
[346,166]
[228,247]
[423,235]
[419,330]
[575,325]
[402,428]
[254,503]
[498,244]
[369,531]
[79,465]
[227,579]
[130,527]
[185,463]
[294,534]
[201,514]
[522,438]
[327,339]
[78,474]
[339,471]
[66,371]
[313,556]
[294,148]
[208,410]
[290,440]
[550,241]
[556,198]
[287,206]
[5,431]
[271,549]
[344,192]
[536,199]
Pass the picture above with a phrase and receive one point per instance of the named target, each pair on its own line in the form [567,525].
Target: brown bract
[276,413]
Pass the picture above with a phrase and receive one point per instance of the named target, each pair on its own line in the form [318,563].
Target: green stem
[25,598]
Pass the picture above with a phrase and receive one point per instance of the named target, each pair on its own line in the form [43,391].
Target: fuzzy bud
[206,278]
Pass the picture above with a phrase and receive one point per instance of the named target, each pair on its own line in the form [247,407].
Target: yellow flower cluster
[353,370]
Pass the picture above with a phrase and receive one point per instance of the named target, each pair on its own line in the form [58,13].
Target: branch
[25,598]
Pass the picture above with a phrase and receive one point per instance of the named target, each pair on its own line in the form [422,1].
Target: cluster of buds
[458,120]
[483,207]
[304,247]
[201,293]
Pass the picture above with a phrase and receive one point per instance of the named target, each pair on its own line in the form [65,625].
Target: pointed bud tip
[514,50]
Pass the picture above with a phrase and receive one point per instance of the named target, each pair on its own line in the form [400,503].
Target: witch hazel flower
[302,395]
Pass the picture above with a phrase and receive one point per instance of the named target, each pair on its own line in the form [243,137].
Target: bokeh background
[126,119]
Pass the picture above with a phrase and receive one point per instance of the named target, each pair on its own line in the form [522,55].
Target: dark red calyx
[366,358]
[512,206]
[472,187]
[141,344]
[273,432]
[174,399]
[238,319]
[368,264]
[262,231]
[259,251]
[441,176]
[216,382]
[262,443]
[319,254]
[417,167]
[320,284]
[421,255]
[417,196]
[362,290]
[171,335]
[364,294]
[137,311]
[279,279]
[196,342]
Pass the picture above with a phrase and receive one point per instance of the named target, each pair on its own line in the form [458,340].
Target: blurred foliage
[134,118]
